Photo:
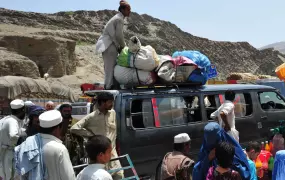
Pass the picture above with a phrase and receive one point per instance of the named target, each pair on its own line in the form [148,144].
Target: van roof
[205,88]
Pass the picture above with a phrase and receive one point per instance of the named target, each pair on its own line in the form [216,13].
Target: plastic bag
[132,76]
[144,59]
[280,71]
[200,74]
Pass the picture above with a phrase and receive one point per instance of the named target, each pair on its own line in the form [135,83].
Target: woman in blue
[279,166]
[213,134]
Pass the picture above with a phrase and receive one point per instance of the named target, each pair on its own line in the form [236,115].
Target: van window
[142,113]
[178,110]
[271,101]
[210,105]
[79,110]
[243,104]
[171,111]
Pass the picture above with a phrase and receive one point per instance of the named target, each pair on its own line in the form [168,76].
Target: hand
[212,154]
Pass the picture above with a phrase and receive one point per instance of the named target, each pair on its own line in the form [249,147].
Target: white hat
[17,104]
[181,138]
[29,103]
[50,119]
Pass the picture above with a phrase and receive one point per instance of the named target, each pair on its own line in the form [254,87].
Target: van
[80,110]
[149,118]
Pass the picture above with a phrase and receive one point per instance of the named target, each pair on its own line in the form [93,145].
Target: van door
[245,120]
[151,123]
[272,105]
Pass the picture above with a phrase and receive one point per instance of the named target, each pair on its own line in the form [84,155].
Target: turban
[124,3]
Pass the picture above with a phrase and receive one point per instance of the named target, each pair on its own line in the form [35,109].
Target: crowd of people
[32,139]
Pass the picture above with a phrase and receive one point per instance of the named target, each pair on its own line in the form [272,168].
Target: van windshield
[79,110]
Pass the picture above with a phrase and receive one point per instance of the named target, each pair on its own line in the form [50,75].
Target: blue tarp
[200,74]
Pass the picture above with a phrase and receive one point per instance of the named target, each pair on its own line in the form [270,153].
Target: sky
[259,22]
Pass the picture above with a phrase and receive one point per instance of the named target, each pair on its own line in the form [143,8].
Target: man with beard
[70,140]
[102,121]
[34,123]
[111,43]
[65,109]
[177,164]
[10,132]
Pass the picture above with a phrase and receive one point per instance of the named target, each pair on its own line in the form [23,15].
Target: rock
[14,64]
[55,55]
[52,55]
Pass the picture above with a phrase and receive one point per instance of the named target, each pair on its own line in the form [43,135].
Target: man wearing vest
[176,165]
[101,122]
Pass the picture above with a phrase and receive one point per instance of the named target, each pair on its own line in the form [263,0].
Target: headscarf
[35,110]
[213,134]
[279,166]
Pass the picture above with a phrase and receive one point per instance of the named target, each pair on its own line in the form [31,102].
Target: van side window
[243,104]
[171,111]
[178,110]
[142,113]
[270,100]
[79,111]
[210,105]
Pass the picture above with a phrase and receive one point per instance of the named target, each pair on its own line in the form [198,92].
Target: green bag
[124,58]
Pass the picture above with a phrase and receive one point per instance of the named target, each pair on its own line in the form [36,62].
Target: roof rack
[167,85]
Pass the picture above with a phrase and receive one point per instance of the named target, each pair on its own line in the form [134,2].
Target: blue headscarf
[279,166]
[213,134]
[35,110]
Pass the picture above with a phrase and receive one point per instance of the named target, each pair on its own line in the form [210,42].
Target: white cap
[50,102]
[181,138]
[29,103]
[17,104]
[50,119]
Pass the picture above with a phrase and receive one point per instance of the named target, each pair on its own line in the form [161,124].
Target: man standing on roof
[111,42]
[10,132]
[102,121]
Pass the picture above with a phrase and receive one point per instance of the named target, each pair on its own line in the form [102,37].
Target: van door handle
[263,117]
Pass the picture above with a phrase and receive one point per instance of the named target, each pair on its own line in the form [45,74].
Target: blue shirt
[252,170]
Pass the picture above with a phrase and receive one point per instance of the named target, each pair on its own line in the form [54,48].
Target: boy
[225,154]
[99,150]
[252,151]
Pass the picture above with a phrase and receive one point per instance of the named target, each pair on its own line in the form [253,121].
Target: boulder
[14,64]
[52,55]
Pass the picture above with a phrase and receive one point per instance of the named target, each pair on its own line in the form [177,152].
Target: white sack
[129,76]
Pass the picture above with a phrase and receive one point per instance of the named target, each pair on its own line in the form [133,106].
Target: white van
[80,110]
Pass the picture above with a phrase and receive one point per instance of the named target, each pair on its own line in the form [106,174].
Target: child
[252,151]
[98,149]
[224,154]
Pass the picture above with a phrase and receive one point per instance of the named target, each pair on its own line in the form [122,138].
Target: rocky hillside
[61,44]
[280,46]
